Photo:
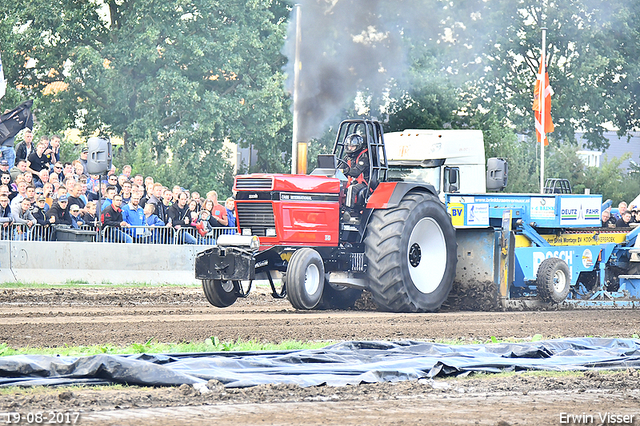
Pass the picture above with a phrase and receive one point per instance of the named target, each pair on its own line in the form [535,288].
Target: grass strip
[212,344]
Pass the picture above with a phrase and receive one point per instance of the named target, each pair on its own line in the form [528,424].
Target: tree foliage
[174,78]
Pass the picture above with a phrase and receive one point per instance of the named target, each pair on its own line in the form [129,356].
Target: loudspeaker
[497,173]
[99,156]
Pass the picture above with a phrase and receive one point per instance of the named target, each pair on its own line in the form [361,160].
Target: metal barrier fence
[133,234]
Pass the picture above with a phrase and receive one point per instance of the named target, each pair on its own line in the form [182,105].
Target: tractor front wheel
[305,279]
[411,253]
[220,294]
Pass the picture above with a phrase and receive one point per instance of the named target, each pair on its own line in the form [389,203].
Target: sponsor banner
[456,210]
[580,211]
[478,214]
[543,208]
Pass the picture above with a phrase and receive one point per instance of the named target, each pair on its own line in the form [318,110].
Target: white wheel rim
[311,279]
[227,286]
[559,281]
[427,255]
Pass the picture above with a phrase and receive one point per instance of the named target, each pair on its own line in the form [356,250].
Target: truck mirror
[453,176]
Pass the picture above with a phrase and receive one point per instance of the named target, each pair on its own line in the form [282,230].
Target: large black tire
[553,280]
[411,253]
[305,279]
[220,293]
[336,296]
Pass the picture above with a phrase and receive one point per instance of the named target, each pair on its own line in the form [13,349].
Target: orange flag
[538,93]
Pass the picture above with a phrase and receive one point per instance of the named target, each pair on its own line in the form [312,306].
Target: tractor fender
[389,194]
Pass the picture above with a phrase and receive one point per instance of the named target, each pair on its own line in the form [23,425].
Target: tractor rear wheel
[220,293]
[411,253]
[553,280]
[305,279]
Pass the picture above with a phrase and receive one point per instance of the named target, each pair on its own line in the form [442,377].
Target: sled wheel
[305,279]
[553,280]
[411,254]
[220,293]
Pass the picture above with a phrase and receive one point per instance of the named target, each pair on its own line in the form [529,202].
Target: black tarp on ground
[340,364]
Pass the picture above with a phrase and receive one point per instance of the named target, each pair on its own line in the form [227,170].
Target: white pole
[296,82]
[542,101]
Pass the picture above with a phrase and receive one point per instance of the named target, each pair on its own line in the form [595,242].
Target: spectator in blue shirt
[231,216]
[133,214]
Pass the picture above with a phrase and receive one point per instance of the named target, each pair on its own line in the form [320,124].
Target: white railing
[133,234]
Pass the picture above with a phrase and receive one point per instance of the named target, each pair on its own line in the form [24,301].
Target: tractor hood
[287,183]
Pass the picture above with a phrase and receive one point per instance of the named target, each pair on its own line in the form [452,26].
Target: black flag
[15,120]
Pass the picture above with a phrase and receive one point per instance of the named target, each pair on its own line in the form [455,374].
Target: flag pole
[542,102]
[296,94]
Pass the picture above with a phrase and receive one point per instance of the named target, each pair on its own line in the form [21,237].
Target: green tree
[174,78]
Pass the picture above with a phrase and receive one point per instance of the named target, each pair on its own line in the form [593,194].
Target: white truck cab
[451,160]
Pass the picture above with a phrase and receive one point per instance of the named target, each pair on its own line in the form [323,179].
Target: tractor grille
[256,216]
[252,184]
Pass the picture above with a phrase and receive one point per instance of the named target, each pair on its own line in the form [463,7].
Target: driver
[356,168]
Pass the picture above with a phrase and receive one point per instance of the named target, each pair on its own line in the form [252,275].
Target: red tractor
[398,242]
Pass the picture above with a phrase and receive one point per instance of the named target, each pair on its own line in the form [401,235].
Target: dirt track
[121,316]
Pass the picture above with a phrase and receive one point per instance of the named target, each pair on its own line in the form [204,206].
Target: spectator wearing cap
[58,214]
[83,160]
[39,210]
[4,166]
[76,217]
[112,218]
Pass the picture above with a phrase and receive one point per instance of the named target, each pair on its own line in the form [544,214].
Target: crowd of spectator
[38,189]
[624,218]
